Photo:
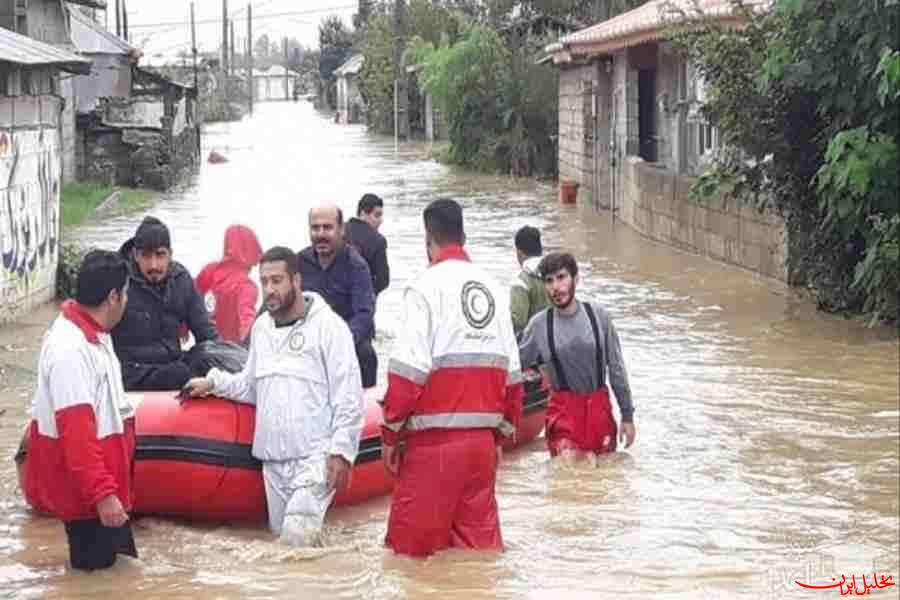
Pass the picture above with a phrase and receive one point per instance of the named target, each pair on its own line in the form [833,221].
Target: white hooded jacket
[305,383]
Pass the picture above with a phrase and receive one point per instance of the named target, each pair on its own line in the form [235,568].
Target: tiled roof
[649,22]
[21,50]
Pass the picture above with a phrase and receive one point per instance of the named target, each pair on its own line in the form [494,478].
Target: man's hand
[197,387]
[499,448]
[391,456]
[338,472]
[111,512]
[627,434]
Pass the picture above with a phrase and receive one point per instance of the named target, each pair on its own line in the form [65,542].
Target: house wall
[133,142]
[110,78]
[576,154]
[30,172]
[656,204]
[46,22]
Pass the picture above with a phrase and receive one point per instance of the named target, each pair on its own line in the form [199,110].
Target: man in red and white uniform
[454,392]
[81,437]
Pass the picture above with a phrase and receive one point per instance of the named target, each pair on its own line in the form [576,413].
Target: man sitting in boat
[336,271]
[303,377]
[163,296]
[579,346]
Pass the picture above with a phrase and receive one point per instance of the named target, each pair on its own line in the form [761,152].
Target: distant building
[350,104]
[274,83]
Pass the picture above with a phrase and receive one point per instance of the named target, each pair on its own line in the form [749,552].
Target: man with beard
[303,378]
[337,272]
[163,297]
[454,393]
[577,342]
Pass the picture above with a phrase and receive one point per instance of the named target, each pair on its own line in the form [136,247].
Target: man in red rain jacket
[81,437]
[454,392]
[229,293]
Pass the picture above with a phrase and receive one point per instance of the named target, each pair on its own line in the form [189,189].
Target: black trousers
[93,546]
[368,363]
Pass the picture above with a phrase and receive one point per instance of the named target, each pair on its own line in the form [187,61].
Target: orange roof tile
[648,22]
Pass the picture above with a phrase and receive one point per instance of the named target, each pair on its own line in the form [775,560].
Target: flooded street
[768,445]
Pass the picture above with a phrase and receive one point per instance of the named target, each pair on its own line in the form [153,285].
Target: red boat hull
[193,460]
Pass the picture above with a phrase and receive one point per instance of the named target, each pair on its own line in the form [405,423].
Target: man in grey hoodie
[527,294]
[578,344]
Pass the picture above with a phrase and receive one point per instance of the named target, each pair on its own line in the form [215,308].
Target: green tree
[809,94]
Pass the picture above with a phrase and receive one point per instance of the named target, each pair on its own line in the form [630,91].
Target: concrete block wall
[656,203]
[576,158]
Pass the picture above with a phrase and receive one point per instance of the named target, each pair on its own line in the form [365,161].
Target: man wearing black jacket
[161,297]
[361,232]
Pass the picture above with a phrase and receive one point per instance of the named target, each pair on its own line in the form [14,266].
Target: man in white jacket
[303,377]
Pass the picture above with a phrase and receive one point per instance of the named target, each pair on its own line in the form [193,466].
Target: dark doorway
[647,114]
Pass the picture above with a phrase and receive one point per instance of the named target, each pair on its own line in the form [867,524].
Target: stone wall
[30,171]
[576,159]
[137,157]
[656,203]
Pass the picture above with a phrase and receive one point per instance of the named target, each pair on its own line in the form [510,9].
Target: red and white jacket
[455,364]
[81,437]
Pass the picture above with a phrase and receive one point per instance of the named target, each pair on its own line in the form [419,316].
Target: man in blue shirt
[338,273]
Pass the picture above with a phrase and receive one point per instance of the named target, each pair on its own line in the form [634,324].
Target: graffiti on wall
[29,214]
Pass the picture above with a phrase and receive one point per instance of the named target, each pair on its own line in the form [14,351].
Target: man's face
[326,235]
[117,303]
[153,263]
[279,288]
[374,218]
[560,287]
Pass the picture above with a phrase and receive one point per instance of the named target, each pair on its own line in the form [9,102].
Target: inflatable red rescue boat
[194,459]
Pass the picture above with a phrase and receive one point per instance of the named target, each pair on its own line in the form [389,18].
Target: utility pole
[194,47]
[118,19]
[232,47]
[401,100]
[287,79]
[250,53]
[225,36]
[124,20]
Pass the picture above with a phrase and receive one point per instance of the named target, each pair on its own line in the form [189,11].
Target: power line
[295,13]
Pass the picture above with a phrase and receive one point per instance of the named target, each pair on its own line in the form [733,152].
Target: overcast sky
[167,40]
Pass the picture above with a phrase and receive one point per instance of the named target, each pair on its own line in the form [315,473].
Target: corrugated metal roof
[648,22]
[22,50]
[91,38]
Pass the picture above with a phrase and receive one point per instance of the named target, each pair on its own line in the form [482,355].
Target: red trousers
[444,495]
[581,422]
